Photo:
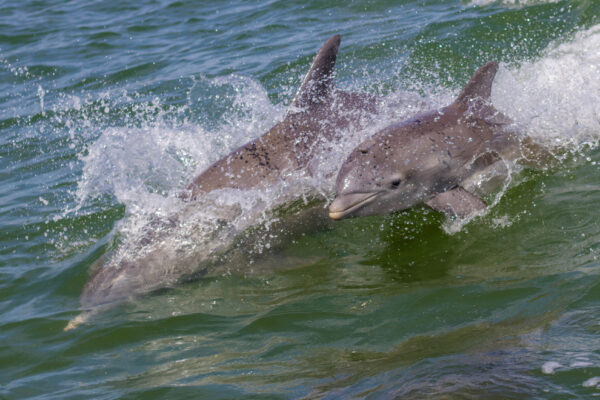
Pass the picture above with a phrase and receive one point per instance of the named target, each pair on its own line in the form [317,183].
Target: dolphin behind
[440,158]
[318,112]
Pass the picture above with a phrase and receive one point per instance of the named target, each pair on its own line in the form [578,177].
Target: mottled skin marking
[287,146]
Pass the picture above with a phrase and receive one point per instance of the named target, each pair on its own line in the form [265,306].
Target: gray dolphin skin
[436,158]
[318,112]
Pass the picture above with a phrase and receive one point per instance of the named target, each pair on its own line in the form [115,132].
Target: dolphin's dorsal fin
[318,81]
[480,85]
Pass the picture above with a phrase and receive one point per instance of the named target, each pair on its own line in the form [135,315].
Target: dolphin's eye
[395,183]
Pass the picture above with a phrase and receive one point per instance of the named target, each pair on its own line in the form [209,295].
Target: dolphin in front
[439,158]
[318,112]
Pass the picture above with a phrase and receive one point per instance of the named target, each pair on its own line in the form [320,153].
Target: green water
[107,110]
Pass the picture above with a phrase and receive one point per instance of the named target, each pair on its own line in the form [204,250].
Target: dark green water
[107,109]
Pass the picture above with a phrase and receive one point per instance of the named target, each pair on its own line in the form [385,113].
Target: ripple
[109,107]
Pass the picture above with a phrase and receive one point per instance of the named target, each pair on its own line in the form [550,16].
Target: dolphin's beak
[346,204]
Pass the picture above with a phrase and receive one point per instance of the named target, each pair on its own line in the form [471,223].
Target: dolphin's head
[375,180]
[406,163]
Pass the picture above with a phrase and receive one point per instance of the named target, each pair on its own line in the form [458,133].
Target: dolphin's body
[317,113]
[438,158]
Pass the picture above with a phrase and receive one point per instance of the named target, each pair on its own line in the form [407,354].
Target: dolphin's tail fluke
[81,319]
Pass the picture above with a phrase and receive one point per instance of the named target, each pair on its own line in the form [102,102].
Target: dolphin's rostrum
[436,158]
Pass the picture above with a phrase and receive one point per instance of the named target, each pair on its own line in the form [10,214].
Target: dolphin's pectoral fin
[318,82]
[456,202]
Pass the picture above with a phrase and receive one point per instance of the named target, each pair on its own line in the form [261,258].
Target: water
[107,110]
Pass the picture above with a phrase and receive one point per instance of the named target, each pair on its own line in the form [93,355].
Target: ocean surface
[108,110]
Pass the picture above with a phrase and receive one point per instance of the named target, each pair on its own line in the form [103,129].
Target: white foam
[557,97]
[502,222]
[592,382]
[550,367]
[141,164]
[581,364]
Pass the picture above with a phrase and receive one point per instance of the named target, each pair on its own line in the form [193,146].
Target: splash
[146,167]
[556,99]
[164,239]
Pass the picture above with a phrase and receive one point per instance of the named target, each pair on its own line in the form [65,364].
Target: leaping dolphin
[438,158]
[317,113]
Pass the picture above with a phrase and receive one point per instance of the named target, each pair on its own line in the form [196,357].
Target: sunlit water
[107,110]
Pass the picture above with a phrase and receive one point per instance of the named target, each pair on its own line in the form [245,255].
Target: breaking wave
[557,97]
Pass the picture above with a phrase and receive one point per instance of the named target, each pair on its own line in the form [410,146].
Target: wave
[556,98]
[553,99]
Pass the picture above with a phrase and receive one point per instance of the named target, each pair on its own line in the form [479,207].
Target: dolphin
[442,158]
[318,112]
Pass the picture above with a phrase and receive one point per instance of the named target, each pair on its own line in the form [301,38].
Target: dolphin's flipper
[480,85]
[456,202]
[318,81]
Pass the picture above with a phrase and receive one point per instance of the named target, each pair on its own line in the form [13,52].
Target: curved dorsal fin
[318,81]
[480,85]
